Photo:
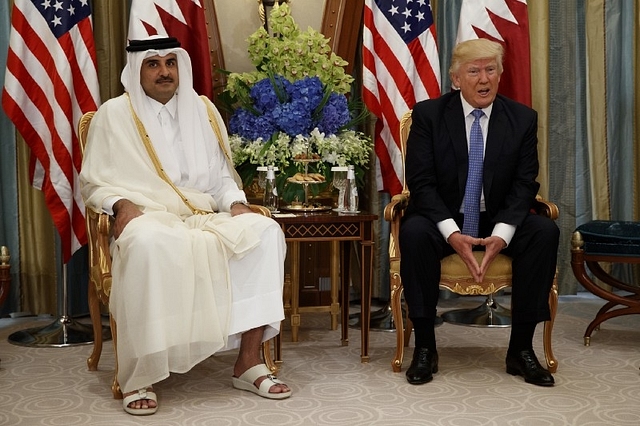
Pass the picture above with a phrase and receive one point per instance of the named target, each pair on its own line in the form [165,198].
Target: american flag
[182,19]
[51,80]
[507,22]
[400,68]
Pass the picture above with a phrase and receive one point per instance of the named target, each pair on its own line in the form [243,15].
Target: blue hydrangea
[251,126]
[307,93]
[335,114]
[289,108]
[264,95]
[292,119]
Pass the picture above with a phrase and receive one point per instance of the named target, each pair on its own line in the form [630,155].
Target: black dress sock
[425,335]
[521,337]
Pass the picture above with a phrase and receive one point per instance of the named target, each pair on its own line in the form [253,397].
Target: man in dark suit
[441,220]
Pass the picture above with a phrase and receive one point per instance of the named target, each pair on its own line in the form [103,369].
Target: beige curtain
[636,138]
[597,109]
[110,23]
[539,41]
[38,265]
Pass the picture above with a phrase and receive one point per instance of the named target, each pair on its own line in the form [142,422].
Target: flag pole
[64,331]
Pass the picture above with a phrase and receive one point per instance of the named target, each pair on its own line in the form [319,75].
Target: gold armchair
[454,276]
[99,234]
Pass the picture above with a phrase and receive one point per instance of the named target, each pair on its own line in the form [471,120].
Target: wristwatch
[238,202]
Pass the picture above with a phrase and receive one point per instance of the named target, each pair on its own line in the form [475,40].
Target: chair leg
[396,311]
[115,386]
[94,312]
[277,351]
[266,353]
[552,361]
[408,328]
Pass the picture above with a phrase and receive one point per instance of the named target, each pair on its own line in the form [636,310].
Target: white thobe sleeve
[224,188]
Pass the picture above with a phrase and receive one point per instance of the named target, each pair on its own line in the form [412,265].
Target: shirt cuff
[224,204]
[504,231]
[107,204]
[447,227]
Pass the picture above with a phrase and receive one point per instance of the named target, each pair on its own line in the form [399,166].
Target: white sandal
[247,379]
[140,394]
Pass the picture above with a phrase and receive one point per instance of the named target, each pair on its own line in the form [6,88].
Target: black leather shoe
[423,365]
[526,364]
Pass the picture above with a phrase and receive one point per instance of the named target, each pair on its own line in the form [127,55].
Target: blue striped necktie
[474,178]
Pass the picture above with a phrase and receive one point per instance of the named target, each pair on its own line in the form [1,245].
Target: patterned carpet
[595,385]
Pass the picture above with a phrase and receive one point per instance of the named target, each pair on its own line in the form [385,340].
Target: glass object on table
[340,183]
[262,175]
[270,197]
[350,193]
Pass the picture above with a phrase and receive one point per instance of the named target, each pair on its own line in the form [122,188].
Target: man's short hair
[471,50]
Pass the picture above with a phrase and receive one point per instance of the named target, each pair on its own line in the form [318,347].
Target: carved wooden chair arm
[260,210]
[99,233]
[546,208]
[395,209]
[393,213]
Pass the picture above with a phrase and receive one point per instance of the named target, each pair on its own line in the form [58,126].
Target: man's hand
[463,245]
[124,211]
[240,208]
[493,246]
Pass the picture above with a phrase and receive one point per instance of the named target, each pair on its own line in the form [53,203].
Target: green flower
[291,53]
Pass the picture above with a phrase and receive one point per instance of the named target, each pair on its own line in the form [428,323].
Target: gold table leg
[295,290]
[335,283]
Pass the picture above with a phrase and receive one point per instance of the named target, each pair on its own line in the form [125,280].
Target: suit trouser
[534,250]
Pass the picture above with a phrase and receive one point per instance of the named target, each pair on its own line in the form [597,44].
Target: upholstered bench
[607,241]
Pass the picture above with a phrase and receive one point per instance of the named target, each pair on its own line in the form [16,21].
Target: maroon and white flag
[506,22]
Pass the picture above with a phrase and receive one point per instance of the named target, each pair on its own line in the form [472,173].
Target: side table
[606,241]
[340,230]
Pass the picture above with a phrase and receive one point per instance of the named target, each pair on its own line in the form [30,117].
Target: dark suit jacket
[436,162]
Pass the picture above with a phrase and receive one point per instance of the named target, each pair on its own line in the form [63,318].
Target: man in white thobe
[195,271]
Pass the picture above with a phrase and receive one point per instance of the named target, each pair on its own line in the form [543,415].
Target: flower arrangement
[292,111]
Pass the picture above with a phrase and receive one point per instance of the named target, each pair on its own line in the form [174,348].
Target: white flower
[347,147]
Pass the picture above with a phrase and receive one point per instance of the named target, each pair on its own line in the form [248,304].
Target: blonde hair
[471,50]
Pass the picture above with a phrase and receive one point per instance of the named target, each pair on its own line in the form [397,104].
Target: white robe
[184,286]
